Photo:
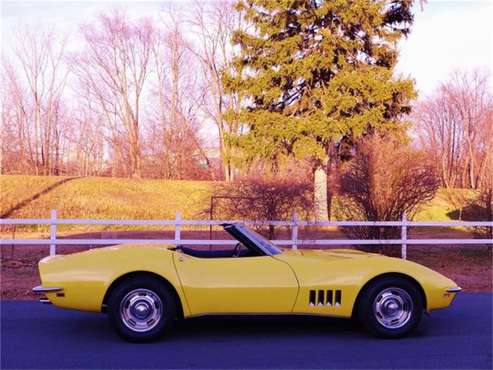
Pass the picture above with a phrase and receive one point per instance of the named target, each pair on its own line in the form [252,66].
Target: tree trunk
[135,155]
[223,156]
[228,171]
[333,182]
[320,192]
[56,169]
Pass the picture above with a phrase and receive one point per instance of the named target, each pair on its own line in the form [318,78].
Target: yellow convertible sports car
[145,288]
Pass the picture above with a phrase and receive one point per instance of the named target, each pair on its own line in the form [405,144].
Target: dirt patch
[469,266]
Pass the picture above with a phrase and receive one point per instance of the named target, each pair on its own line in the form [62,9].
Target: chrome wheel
[141,310]
[393,308]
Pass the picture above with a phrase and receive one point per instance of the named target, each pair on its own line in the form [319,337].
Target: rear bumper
[41,289]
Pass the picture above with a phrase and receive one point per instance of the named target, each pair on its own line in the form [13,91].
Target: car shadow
[278,326]
[264,323]
[248,328]
[216,327]
[68,324]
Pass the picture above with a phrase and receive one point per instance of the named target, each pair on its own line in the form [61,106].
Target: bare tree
[214,24]
[34,81]
[114,67]
[85,137]
[180,96]
[456,126]
[136,105]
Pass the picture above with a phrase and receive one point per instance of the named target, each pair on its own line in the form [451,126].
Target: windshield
[258,239]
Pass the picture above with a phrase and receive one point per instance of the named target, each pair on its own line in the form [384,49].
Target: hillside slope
[118,198]
[101,197]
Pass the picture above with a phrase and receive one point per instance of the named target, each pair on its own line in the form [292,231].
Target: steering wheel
[236,250]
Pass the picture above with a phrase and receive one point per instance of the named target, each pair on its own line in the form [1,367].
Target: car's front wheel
[390,307]
[141,308]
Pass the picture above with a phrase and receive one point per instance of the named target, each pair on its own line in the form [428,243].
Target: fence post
[404,236]
[294,231]
[177,227]
[53,232]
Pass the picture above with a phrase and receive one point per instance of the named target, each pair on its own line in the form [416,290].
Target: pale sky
[446,35]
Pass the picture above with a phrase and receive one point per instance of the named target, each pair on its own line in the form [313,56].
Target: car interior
[239,250]
[244,247]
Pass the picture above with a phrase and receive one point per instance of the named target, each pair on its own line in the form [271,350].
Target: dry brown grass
[103,198]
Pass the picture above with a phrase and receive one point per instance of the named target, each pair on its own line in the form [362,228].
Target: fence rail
[294,224]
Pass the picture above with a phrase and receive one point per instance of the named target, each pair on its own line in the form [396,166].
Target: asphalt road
[42,336]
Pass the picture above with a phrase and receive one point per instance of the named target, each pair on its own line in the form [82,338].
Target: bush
[385,179]
[480,208]
[264,198]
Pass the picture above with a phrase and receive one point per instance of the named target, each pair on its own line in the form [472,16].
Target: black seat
[207,253]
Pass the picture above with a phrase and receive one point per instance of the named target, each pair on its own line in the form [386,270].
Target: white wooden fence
[294,224]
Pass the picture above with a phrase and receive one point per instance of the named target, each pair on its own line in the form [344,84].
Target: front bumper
[457,289]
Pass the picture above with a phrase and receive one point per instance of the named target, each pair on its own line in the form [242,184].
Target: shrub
[484,208]
[480,208]
[385,179]
[264,198]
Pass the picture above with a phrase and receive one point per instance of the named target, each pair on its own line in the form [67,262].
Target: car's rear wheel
[390,307]
[141,308]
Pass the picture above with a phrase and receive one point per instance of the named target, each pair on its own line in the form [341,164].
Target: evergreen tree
[314,72]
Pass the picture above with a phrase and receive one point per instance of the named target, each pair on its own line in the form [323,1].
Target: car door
[259,284]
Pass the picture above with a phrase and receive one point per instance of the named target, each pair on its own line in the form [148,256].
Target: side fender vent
[329,298]
[321,298]
[338,298]
[311,300]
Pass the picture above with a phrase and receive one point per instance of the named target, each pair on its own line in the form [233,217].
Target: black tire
[142,295]
[376,307]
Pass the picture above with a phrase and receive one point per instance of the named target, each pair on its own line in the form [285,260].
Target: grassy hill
[100,197]
[440,208]
[117,198]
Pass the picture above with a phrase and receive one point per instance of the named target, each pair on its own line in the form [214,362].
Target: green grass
[439,208]
[118,198]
